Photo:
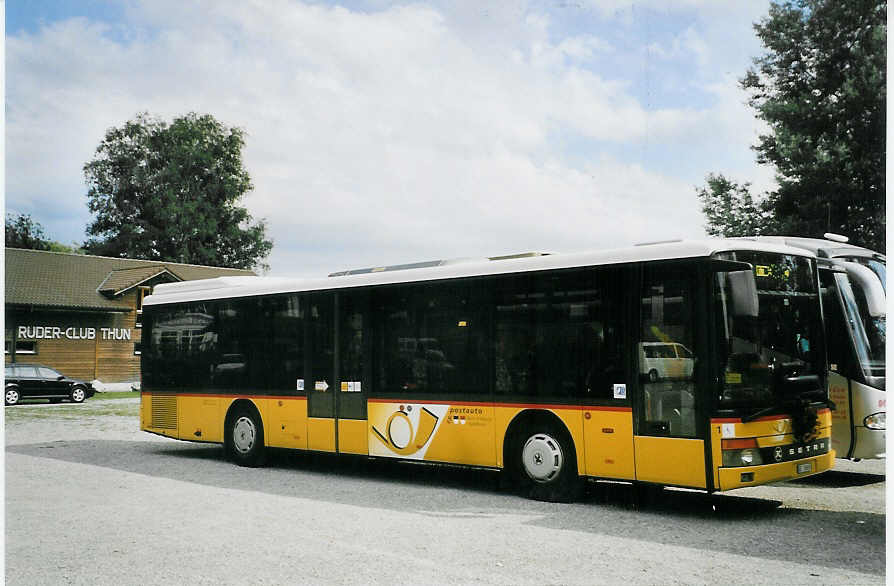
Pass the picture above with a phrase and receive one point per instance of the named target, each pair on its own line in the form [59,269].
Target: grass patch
[89,408]
[118,395]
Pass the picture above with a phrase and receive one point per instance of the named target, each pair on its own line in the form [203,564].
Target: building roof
[73,281]
[121,280]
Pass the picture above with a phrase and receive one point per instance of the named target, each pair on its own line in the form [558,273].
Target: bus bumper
[731,478]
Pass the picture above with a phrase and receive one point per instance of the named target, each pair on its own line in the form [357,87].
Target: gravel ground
[92,500]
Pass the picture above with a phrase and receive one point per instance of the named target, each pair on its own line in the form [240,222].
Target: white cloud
[614,8]
[380,137]
[583,48]
[687,44]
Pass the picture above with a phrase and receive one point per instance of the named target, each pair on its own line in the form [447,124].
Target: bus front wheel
[245,438]
[545,464]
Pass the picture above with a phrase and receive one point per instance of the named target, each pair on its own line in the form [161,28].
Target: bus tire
[545,465]
[244,438]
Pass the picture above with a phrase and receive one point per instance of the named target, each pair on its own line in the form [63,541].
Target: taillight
[738,444]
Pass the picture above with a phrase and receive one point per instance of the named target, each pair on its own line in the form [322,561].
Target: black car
[42,382]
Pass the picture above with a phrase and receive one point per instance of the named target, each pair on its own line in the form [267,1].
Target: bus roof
[820,247]
[233,287]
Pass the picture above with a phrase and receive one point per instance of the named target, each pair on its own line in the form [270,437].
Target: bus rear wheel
[545,465]
[245,438]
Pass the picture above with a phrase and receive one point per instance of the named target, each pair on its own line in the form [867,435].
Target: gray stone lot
[92,500]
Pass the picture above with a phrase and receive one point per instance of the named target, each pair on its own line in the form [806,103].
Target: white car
[665,360]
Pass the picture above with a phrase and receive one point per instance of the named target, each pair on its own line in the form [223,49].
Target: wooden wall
[109,360]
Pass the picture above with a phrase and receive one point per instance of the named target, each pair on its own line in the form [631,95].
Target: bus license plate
[805,467]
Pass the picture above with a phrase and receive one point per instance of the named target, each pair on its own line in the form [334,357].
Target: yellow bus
[538,365]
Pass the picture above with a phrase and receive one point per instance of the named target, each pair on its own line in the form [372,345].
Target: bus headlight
[737,458]
[749,456]
[875,421]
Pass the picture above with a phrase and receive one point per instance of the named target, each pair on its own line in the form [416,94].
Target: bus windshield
[867,331]
[778,355]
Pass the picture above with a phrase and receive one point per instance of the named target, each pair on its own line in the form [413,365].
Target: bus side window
[558,336]
[284,347]
[183,342]
[432,340]
[604,362]
[837,336]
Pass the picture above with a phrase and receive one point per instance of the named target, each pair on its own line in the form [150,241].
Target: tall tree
[170,192]
[821,88]
[730,209]
[24,232]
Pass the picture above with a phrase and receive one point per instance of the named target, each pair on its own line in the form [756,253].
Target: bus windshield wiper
[759,412]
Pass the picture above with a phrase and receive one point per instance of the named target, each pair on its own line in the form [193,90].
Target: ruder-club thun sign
[72,333]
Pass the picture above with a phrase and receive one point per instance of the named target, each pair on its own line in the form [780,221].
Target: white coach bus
[854,301]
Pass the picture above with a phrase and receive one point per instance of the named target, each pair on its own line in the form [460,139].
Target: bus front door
[667,446]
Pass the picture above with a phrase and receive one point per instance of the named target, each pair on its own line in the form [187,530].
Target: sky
[382,133]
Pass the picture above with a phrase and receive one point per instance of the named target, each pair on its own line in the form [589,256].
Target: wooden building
[81,314]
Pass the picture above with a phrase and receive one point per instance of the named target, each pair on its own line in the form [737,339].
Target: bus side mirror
[744,292]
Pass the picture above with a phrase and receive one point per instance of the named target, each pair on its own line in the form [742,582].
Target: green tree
[820,87]
[162,191]
[730,209]
[23,231]
[74,248]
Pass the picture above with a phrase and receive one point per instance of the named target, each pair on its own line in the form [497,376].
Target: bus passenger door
[668,442]
[320,369]
[608,417]
[339,381]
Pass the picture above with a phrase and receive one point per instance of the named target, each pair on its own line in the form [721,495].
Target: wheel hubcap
[78,395]
[542,457]
[244,435]
[12,396]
